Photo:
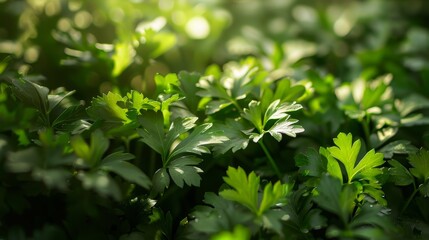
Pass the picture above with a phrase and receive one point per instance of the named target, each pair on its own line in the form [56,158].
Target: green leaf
[31,94]
[372,215]
[153,131]
[399,174]
[336,199]
[68,117]
[106,107]
[272,220]
[328,194]
[160,181]
[118,156]
[122,57]
[245,188]
[198,140]
[272,195]
[286,93]
[414,120]
[398,147]
[157,43]
[366,167]
[245,191]
[239,233]
[55,100]
[333,165]
[3,63]
[217,215]
[376,91]
[285,126]
[225,89]
[276,111]
[311,163]
[188,86]
[166,84]
[420,164]
[411,103]
[178,127]
[182,170]
[93,152]
[234,130]
[116,163]
[347,153]
[177,153]
[253,114]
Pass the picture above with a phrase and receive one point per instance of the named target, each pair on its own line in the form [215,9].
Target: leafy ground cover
[214,119]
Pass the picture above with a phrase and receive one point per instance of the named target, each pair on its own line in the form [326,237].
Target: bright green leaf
[272,195]
[239,233]
[245,188]
[347,153]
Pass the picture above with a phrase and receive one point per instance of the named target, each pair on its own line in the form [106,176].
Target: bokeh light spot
[83,19]
[197,28]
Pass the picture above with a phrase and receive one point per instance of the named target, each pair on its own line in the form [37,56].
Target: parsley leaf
[245,188]
[399,174]
[420,163]
[92,154]
[178,153]
[347,154]
[245,191]
[277,112]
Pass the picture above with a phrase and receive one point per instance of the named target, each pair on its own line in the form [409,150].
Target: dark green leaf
[398,147]
[160,181]
[311,163]
[31,94]
[420,163]
[153,131]
[127,171]
[333,198]
[399,174]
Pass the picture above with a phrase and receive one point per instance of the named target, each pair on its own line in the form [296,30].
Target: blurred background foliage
[95,46]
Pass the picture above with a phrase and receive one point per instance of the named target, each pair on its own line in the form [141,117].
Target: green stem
[236,105]
[365,123]
[270,159]
[410,198]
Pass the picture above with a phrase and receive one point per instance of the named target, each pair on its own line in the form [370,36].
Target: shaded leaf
[311,163]
[127,171]
[420,163]
[160,180]
[399,174]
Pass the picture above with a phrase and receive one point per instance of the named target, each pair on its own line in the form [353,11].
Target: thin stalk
[410,198]
[236,105]
[365,124]
[270,159]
